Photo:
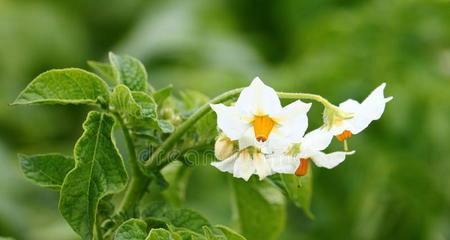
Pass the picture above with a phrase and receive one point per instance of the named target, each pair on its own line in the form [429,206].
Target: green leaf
[132,229]
[64,86]
[129,71]
[162,94]
[165,126]
[260,207]
[229,233]
[99,171]
[133,105]
[105,70]
[186,218]
[162,234]
[210,235]
[123,102]
[146,103]
[299,190]
[46,170]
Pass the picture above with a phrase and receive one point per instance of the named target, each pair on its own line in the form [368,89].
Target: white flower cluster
[261,137]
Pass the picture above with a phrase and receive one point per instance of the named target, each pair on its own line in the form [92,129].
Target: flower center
[344,135]
[302,169]
[262,126]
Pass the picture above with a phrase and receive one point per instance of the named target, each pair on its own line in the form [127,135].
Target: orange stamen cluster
[344,135]
[262,126]
[302,169]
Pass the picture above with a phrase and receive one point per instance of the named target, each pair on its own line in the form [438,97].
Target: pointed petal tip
[388,99]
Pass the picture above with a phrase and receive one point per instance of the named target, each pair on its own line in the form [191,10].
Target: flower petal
[243,168]
[262,166]
[248,139]
[226,165]
[230,121]
[292,121]
[281,163]
[330,160]
[317,140]
[369,110]
[258,99]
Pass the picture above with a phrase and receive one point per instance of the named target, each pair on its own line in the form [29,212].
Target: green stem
[158,157]
[138,182]
[314,97]
[98,231]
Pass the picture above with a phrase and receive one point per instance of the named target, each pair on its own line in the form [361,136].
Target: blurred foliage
[397,186]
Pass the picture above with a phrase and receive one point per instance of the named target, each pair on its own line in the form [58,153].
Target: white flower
[224,147]
[258,119]
[359,115]
[245,163]
[295,159]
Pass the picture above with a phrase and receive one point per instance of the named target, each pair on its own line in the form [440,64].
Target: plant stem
[98,231]
[314,97]
[138,182]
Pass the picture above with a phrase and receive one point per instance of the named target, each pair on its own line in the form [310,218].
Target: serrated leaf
[129,71]
[132,229]
[105,70]
[260,208]
[64,86]
[162,94]
[46,170]
[299,190]
[99,171]
[229,233]
[162,234]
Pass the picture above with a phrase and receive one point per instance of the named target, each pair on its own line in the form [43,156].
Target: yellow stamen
[262,126]
[302,169]
[344,135]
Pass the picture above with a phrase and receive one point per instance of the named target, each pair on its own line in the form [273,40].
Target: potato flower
[295,159]
[352,117]
[258,119]
[244,163]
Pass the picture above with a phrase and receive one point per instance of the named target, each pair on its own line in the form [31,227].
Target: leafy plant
[103,196]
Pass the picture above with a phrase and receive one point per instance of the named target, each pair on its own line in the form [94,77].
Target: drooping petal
[244,168]
[262,165]
[230,121]
[292,121]
[226,165]
[369,110]
[317,140]
[281,163]
[330,160]
[258,99]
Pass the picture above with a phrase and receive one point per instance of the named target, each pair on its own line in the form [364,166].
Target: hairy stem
[138,182]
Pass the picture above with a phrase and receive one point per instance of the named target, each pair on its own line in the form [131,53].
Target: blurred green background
[397,186]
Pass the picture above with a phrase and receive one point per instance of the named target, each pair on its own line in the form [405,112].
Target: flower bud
[224,147]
